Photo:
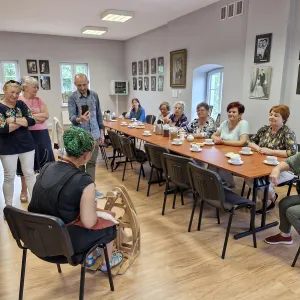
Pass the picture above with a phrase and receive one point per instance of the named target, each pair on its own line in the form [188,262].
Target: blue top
[140,115]
[76,100]
[19,140]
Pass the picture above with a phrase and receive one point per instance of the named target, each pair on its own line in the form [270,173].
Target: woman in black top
[15,139]
[63,191]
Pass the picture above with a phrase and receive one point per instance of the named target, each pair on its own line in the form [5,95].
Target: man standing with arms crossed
[90,120]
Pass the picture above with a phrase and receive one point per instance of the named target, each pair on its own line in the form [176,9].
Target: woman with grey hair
[165,114]
[39,132]
[178,118]
[204,124]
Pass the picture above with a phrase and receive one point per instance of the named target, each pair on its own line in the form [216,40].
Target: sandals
[270,206]
[116,259]
[90,261]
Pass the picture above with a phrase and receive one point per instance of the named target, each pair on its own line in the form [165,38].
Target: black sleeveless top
[58,190]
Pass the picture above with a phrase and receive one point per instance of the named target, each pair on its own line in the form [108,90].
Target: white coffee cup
[123,123]
[208,141]
[146,132]
[272,159]
[176,141]
[235,159]
[195,147]
[246,149]
[133,119]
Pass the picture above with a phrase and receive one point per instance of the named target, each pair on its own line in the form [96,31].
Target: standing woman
[137,111]
[15,139]
[39,132]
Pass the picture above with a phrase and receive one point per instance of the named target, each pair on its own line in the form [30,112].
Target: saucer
[147,134]
[131,126]
[235,163]
[114,120]
[199,150]
[209,144]
[271,164]
[125,124]
[229,156]
[175,144]
[246,153]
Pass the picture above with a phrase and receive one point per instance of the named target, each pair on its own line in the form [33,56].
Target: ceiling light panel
[116,15]
[93,30]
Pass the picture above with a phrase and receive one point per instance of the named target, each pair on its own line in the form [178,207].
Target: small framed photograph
[65,98]
[260,85]
[134,69]
[263,45]
[153,83]
[223,13]
[45,83]
[134,83]
[146,67]
[140,83]
[146,83]
[44,66]
[231,8]
[140,66]
[178,61]
[160,84]
[239,8]
[153,65]
[31,66]
[160,65]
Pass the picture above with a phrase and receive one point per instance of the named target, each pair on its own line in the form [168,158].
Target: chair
[132,154]
[154,155]
[124,113]
[296,258]
[116,145]
[175,169]
[102,147]
[150,119]
[47,237]
[207,185]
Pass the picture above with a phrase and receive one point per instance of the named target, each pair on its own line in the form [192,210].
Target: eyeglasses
[12,81]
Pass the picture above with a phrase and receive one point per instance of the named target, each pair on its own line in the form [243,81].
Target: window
[9,70]
[214,91]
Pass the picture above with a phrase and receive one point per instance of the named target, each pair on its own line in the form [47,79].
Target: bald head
[82,83]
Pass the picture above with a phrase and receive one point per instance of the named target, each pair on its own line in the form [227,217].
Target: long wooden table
[252,168]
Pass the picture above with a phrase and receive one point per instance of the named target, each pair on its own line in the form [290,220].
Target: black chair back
[43,235]
[127,147]
[155,155]
[207,184]
[114,139]
[124,113]
[175,168]
[150,119]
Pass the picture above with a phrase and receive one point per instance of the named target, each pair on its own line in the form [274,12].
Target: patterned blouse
[208,128]
[283,139]
[181,122]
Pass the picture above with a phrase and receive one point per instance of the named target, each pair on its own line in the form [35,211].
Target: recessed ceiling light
[93,30]
[116,15]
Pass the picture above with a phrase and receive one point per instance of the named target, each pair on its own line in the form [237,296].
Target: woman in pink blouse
[39,132]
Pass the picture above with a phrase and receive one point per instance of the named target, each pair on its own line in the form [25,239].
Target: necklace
[67,161]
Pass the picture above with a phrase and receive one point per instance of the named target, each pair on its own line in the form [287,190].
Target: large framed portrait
[263,45]
[260,85]
[44,66]
[134,69]
[146,67]
[178,68]
[31,66]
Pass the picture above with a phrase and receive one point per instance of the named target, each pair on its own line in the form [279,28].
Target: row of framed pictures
[44,82]
[32,66]
[142,68]
[144,85]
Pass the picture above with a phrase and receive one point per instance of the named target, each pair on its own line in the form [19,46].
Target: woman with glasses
[15,139]
[39,132]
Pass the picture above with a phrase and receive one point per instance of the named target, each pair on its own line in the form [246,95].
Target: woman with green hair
[63,191]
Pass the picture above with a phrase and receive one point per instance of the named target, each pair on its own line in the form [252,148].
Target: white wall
[105,59]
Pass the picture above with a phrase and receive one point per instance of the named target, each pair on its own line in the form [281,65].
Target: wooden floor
[173,263]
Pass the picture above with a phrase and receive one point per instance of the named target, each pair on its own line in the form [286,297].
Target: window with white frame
[67,74]
[9,70]
[214,91]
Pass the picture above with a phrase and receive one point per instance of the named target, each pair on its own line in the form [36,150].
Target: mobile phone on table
[84,109]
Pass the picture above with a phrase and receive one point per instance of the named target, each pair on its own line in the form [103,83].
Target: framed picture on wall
[65,98]
[223,13]
[134,83]
[146,83]
[231,8]
[239,8]
[160,65]
[160,84]
[134,69]
[260,84]
[140,66]
[153,83]
[140,83]
[178,61]
[45,83]
[298,82]
[44,66]
[146,67]
[263,45]
[31,66]
[153,65]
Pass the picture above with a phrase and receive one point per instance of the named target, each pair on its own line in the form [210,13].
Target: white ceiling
[67,17]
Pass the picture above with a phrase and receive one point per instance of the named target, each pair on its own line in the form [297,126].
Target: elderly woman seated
[164,116]
[204,125]
[275,139]
[63,191]
[178,118]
